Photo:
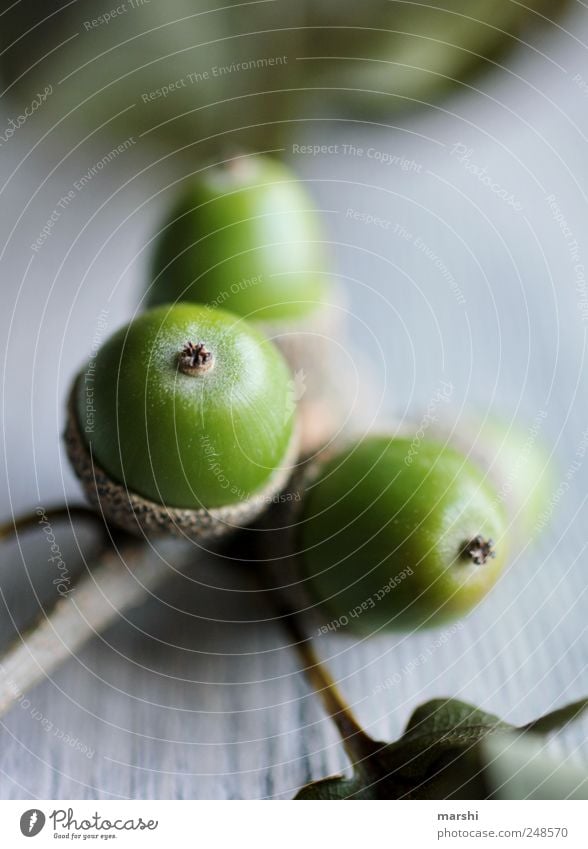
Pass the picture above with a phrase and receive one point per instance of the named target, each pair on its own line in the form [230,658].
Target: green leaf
[328,789]
[436,728]
[445,753]
[557,718]
[448,715]
[404,768]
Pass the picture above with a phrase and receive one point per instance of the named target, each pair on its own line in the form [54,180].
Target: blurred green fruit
[194,75]
[245,236]
[514,455]
[521,465]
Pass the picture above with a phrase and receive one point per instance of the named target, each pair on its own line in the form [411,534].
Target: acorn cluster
[197,425]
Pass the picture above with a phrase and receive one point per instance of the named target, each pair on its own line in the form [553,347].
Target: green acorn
[246,236]
[392,538]
[183,423]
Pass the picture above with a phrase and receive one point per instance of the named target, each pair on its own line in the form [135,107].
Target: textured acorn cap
[143,517]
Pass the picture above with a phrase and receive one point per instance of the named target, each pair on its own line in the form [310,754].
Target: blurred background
[445,144]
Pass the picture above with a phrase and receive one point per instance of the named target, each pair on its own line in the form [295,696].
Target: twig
[31,520]
[120,579]
[275,552]
[358,744]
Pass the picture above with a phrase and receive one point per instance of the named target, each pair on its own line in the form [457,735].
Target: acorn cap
[309,345]
[300,337]
[141,516]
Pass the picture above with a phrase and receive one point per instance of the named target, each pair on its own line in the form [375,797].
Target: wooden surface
[196,694]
